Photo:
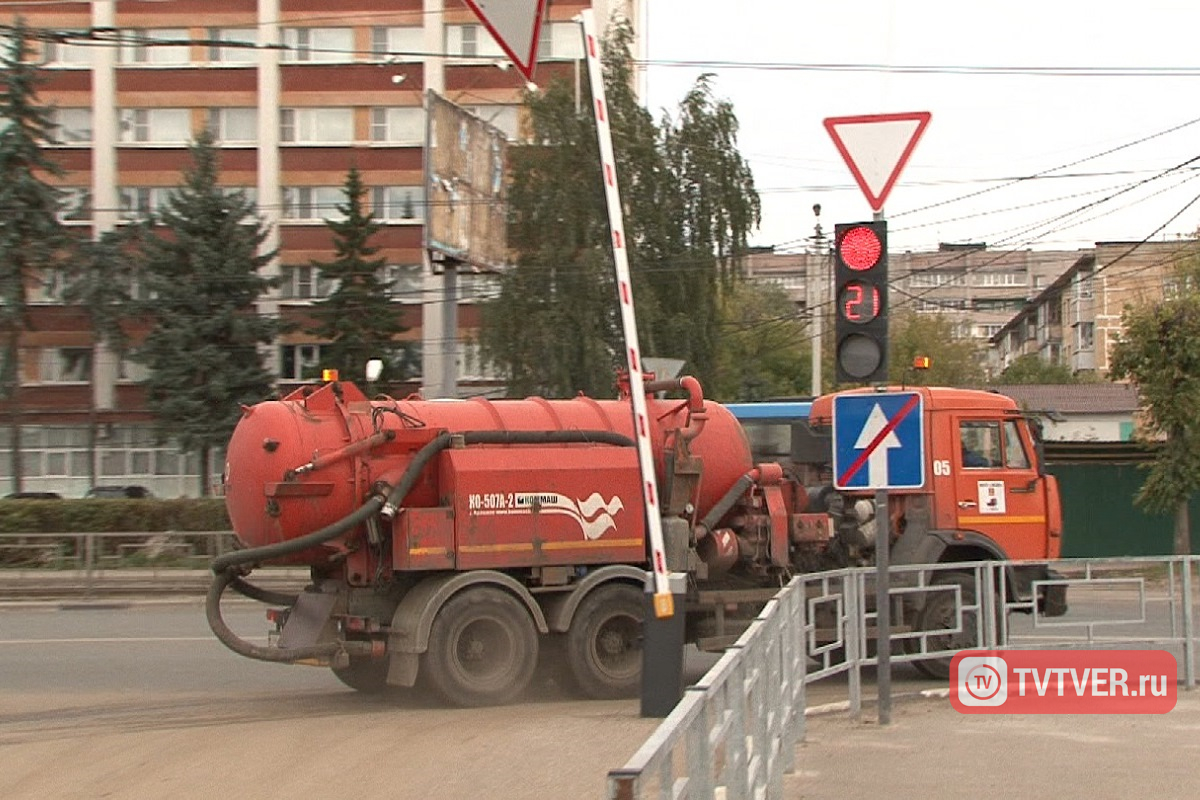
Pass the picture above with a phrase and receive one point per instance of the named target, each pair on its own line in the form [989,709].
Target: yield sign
[876,147]
[515,25]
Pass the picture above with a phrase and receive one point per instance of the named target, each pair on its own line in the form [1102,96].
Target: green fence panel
[1100,518]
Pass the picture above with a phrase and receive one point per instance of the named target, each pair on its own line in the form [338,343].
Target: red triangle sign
[515,25]
[876,147]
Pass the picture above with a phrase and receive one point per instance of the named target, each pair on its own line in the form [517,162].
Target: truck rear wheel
[604,643]
[483,648]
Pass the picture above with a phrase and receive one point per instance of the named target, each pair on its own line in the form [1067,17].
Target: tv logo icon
[982,681]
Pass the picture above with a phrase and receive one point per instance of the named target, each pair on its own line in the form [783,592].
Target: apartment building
[295,92]
[1076,319]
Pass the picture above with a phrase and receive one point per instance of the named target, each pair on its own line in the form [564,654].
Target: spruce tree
[202,270]
[32,239]
[358,321]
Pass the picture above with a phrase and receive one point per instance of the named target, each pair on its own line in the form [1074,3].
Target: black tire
[483,648]
[604,643]
[366,675]
[938,612]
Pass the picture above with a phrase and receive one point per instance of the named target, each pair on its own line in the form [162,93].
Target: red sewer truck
[452,543]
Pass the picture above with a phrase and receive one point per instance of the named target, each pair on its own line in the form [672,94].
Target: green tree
[764,348]
[358,320]
[954,361]
[1032,368]
[203,346]
[32,239]
[712,207]
[689,206]
[1159,351]
[552,329]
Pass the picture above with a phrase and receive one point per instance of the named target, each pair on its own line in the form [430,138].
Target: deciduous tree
[1159,351]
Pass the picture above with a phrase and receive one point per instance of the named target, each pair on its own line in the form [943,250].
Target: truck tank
[299,464]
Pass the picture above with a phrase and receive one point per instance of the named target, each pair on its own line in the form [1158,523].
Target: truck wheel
[366,675]
[604,643]
[938,612]
[483,648]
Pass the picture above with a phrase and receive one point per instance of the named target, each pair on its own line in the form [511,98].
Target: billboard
[466,169]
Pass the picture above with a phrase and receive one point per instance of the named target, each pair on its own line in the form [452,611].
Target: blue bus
[778,431]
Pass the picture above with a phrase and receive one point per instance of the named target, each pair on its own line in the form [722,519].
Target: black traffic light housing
[860,293]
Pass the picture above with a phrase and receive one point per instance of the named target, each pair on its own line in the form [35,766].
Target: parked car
[33,496]
[118,493]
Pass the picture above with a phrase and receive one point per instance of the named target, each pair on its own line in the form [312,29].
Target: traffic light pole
[883,601]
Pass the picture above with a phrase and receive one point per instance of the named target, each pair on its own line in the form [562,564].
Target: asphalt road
[143,702]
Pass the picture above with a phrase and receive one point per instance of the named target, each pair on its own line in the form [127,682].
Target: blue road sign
[878,441]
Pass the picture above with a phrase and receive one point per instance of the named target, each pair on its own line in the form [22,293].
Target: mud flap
[309,621]
[402,669]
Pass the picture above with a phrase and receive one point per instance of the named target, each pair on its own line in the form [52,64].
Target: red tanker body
[318,456]
[455,540]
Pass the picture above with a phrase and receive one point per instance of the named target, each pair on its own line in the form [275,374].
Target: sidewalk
[932,751]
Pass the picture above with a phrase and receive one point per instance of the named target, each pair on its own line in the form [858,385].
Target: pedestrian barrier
[734,733]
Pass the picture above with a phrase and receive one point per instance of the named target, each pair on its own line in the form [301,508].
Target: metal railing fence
[734,733]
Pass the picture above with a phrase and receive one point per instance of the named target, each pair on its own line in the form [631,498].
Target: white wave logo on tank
[594,515]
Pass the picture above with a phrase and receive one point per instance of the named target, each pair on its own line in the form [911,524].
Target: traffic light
[860,265]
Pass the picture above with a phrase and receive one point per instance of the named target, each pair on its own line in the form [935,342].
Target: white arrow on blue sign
[878,441]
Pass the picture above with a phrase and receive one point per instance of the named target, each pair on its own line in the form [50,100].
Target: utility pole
[814,282]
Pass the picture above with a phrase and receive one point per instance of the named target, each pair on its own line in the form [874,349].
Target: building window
[935,279]
[471,364]
[397,45]
[139,202]
[62,54]
[72,125]
[304,282]
[471,41]
[563,40]
[475,287]
[1084,283]
[234,125]
[152,46]
[299,361]
[65,365]
[316,125]
[1002,279]
[76,205]
[398,202]
[398,125]
[241,47]
[405,282]
[987,331]
[318,44]
[506,118]
[1086,336]
[312,202]
[155,125]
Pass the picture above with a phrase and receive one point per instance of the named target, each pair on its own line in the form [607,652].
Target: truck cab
[986,496]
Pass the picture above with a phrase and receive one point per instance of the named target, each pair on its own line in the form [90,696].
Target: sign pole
[883,607]
[883,587]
